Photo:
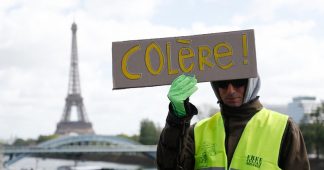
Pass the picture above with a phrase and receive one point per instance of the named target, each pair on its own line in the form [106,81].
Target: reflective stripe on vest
[258,147]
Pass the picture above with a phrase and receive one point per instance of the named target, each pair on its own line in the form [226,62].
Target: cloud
[125,10]
[287,56]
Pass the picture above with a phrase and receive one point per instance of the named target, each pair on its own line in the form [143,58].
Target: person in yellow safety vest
[243,135]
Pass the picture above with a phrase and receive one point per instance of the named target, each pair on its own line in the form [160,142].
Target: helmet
[251,90]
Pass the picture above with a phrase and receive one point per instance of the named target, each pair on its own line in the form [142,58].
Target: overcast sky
[35,48]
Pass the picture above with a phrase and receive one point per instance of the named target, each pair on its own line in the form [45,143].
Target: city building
[301,107]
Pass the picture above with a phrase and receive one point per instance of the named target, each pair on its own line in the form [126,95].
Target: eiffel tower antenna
[74,98]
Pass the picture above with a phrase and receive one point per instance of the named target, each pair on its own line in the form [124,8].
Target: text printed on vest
[254,161]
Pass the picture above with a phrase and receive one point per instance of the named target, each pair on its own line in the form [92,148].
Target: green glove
[181,88]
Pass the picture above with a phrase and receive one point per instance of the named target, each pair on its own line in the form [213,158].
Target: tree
[319,129]
[22,142]
[149,133]
[309,135]
[31,142]
[314,132]
[133,137]
[44,138]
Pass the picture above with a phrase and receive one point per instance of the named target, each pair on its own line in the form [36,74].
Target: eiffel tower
[74,98]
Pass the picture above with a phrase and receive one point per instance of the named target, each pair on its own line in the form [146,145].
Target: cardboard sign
[153,62]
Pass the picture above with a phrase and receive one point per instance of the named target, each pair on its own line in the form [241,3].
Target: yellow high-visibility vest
[257,149]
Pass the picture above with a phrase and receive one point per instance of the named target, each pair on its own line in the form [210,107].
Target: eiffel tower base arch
[74,127]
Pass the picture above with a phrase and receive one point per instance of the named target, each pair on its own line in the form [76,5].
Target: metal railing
[79,149]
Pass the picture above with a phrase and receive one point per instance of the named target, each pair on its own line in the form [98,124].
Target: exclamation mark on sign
[245,48]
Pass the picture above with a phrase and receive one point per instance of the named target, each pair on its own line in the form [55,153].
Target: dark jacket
[176,148]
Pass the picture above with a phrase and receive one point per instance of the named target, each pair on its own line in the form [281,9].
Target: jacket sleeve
[176,145]
[293,154]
